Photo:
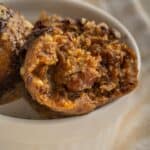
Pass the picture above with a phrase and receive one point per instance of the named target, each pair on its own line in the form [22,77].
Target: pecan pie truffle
[13,30]
[75,66]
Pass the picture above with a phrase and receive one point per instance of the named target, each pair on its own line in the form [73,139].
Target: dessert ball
[14,29]
[74,66]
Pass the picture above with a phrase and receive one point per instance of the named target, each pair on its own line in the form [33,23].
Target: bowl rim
[115,22]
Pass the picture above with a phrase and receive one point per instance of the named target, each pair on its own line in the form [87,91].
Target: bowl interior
[32,9]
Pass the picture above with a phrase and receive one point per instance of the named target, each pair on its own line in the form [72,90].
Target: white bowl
[83,132]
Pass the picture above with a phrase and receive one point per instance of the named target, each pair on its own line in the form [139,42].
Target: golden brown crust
[75,66]
[43,111]
[13,30]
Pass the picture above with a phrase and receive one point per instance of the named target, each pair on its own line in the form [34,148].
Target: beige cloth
[133,129]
